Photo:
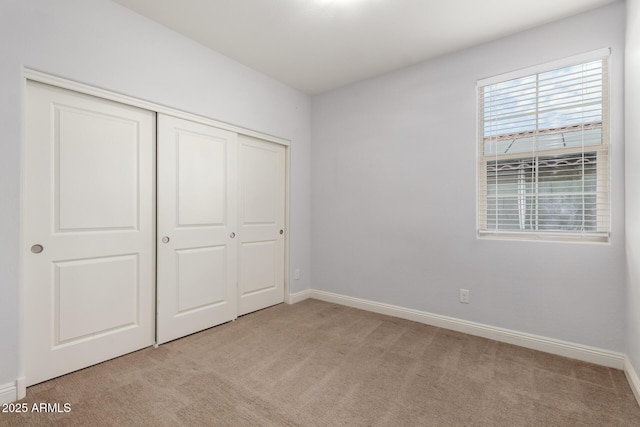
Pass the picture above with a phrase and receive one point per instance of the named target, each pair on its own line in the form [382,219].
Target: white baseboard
[549,345]
[297,297]
[21,387]
[632,377]
[8,393]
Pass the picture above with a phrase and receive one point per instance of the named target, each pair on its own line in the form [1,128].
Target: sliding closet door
[89,231]
[197,226]
[262,222]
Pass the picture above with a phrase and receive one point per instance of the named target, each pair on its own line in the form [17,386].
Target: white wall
[394,196]
[632,147]
[100,43]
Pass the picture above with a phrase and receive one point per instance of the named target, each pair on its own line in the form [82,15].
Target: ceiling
[319,45]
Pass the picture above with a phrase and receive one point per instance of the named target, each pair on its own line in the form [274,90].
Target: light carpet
[320,364]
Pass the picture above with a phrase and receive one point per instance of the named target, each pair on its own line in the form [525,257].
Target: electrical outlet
[464,296]
[297,274]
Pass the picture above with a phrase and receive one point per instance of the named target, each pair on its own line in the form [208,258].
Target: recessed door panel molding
[89,147]
[262,224]
[95,296]
[258,267]
[88,230]
[261,183]
[197,215]
[201,175]
[202,278]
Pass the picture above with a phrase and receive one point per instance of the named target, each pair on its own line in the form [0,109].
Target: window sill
[545,236]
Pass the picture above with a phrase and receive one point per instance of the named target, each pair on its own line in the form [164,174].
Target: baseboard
[21,386]
[535,342]
[298,296]
[8,393]
[632,377]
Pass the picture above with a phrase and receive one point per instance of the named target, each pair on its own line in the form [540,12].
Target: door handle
[232,235]
[36,249]
[165,239]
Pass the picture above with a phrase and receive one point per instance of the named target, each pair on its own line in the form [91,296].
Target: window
[543,152]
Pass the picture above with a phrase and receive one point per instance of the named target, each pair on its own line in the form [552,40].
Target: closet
[220,225]
[140,227]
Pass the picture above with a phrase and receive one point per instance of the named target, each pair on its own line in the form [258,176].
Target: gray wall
[103,44]
[394,196]
[632,147]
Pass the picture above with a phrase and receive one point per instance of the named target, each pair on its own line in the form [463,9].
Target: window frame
[602,150]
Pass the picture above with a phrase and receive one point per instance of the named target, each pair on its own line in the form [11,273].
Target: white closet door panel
[262,221]
[97,294]
[197,214]
[201,278]
[88,156]
[89,202]
[201,179]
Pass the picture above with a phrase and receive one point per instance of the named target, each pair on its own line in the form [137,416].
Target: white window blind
[544,153]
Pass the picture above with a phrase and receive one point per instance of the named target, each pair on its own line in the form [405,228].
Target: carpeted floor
[320,364]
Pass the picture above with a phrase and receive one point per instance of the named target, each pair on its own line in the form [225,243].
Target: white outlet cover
[464,296]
